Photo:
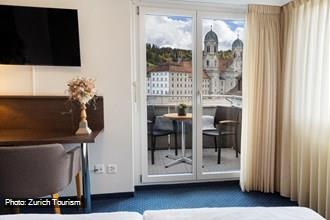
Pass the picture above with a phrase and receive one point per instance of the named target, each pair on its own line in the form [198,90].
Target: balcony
[165,145]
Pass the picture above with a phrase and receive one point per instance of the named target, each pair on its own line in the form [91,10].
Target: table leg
[86,178]
[183,158]
[183,139]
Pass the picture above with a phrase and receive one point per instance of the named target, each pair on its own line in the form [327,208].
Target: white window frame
[198,10]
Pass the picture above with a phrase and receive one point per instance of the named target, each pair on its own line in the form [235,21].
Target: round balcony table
[181,119]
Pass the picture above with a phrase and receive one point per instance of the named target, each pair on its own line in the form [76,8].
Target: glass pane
[168,84]
[222,94]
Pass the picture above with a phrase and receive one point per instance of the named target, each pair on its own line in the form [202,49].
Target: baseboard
[171,185]
[104,196]
[113,195]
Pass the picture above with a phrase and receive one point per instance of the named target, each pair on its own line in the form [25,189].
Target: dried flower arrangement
[82,90]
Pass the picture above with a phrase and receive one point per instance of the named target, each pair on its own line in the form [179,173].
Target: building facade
[172,82]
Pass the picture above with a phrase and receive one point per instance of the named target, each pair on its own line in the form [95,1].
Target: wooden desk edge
[70,139]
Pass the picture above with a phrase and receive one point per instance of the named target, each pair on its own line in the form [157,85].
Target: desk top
[30,120]
[16,137]
[175,116]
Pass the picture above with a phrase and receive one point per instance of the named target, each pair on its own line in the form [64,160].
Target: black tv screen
[39,36]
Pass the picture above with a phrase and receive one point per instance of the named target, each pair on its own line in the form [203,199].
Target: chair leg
[153,144]
[219,149]
[236,146]
[57,209]
[215,143]
[176,144]
[78,188]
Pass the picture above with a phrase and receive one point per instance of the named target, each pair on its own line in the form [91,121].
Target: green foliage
[156,55]
[182,105]
[225,55]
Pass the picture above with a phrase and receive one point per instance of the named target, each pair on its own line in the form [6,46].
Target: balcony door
[190,62]
[167,69]
[220,45]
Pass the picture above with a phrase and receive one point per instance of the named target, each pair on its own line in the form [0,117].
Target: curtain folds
[261,64]
[304,106]
[286,98]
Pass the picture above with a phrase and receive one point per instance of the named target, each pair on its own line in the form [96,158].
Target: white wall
[105,51]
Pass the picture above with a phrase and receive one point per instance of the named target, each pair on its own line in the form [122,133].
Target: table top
[17,137]
[175,116]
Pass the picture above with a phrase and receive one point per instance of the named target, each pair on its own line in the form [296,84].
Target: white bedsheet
[94,216]
[253,213]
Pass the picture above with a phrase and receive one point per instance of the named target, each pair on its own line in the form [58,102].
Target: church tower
[237,51]
[210,61]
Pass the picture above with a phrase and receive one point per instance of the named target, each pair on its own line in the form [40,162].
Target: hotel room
[164,109]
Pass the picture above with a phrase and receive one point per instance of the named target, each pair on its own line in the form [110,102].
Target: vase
[181,112]
[83,124]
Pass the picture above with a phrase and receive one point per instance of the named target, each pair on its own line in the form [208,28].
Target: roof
[224,64]
[182,67]
[237,44]
[211,36]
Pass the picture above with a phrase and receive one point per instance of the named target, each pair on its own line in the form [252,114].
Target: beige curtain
[261,64]
[304,105]
[286,114]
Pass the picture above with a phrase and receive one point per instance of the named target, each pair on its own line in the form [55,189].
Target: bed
[94,216]
[253,213]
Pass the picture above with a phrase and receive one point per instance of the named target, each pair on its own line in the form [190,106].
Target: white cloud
[175,33]
[166,32]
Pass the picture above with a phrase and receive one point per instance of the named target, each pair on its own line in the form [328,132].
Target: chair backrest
[151,114]
[159,123]
[33,171]
[226,113]
[208,122]
[164,124]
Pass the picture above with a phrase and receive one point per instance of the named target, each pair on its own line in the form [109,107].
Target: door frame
[227,175]
[146,178]
[140,128]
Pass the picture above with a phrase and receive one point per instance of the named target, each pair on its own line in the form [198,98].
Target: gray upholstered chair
[37,171]
[159,126]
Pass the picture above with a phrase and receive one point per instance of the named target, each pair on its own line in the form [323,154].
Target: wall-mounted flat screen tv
[39,36]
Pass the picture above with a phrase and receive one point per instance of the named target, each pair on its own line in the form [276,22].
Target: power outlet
[99,168]
[112,168]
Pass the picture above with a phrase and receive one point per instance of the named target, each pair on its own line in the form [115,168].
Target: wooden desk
[17,137]
[33,120]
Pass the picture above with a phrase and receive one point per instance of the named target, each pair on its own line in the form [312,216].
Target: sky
[176,31]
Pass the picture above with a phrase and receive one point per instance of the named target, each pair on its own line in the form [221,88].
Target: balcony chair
[38,171]
[226,121]
[210,130]
[159,127]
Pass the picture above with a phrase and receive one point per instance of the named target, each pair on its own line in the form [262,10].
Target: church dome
[237,44]
[211,36]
